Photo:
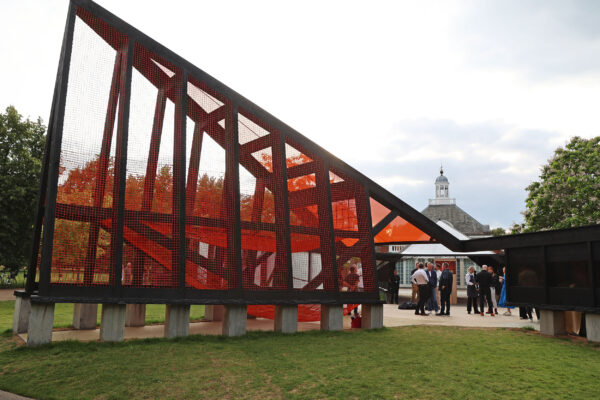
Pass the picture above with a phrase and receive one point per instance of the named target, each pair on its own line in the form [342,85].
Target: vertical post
[592,272]
[232,199]
[121,171]
[149,181]
[326,227]
[332,317]
[177,320]
[179,181]
[286,318]
[54,155]
[41,319]
[112,325]
[371,239]
[545,274]
[234,321]
[282,210]
[98,194]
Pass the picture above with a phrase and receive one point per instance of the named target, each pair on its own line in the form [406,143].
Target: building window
[395,248]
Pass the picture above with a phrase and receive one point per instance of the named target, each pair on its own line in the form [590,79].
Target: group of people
[485,285]
[485,288]
[429,280]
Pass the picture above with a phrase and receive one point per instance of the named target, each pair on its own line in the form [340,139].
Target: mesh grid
[352,234]
[397,231]
[149,186]
[264,263]
[206,206]
[160,175]
[82,234]
[312,258]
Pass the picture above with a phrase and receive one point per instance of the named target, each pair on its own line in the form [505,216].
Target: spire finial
[441,170]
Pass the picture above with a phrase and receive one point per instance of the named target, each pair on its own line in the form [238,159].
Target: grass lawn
[424,362]
[63,314]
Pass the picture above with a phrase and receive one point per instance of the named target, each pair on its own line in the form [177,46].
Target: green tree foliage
[568,192]
[21,151]
[498,231]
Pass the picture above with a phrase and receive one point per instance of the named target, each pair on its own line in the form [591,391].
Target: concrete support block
[41,319]
[332,317]
[177,320]
[552,322]
[112,325]
[234,320]
[372,316]
[592,327]
[286,319]
[85,316]
[214,312]
[21,314]
[135,315]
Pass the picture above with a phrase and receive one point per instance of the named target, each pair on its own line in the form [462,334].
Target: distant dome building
[443,210]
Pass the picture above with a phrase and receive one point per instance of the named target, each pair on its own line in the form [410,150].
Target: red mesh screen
[397,231]
[82,241]
[150,209]
[353,241]
[310,212]
[207,210]
[264,262]
[156,166]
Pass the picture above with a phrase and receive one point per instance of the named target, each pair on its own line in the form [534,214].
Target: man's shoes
[447,314]
[482,314]
[488,312]
[495,311]
[468,312]
[417,313]
[492,314]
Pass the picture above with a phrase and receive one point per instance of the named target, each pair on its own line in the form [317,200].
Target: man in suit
[393,286]
[445,285]
[484,280]
[432,276]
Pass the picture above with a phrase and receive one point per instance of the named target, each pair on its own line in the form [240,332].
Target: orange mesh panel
[399,230]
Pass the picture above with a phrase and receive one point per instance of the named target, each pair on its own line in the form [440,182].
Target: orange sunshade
[397,231]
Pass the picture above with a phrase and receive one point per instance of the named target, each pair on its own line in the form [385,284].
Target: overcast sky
[487,88]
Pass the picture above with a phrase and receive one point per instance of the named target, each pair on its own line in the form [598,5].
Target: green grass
[424,362]
[63,314]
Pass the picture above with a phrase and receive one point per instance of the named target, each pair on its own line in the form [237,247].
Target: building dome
[441,179]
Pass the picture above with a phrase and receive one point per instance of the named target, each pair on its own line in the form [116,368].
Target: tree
[568,192]
[21,152]
[498,231]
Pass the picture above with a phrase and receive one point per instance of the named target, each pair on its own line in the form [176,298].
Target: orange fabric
[306,312]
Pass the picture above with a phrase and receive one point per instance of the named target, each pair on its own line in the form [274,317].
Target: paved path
[7,294]
[459,317]
[9,396]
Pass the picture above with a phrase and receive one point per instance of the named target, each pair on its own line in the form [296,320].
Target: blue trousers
[432,303]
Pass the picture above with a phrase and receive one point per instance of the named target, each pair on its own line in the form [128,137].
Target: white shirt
[468,279]
[420,277]
[439,274]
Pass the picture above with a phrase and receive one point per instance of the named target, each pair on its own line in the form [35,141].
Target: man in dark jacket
[432,304]
[484,280]
[393,286]
[445,289]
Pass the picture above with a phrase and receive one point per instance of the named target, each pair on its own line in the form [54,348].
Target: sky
[489,89]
